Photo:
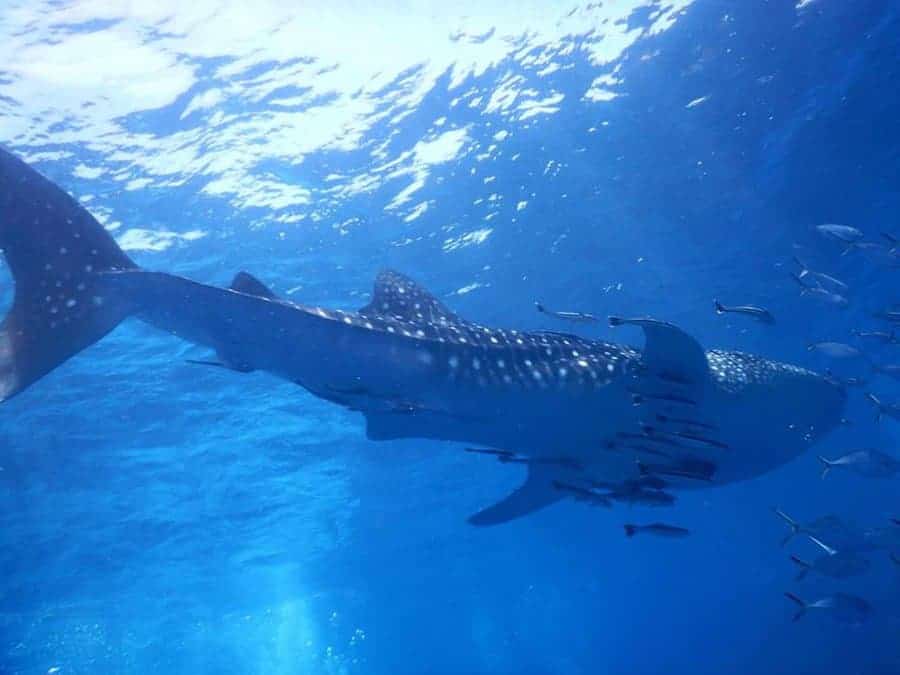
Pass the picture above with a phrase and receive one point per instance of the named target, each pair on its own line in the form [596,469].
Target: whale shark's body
[578,413]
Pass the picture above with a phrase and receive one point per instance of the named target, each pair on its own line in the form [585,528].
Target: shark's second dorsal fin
[397,295]
[246,283]
[534,494]
[669,351]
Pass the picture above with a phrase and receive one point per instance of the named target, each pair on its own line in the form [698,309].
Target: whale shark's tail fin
[57,252]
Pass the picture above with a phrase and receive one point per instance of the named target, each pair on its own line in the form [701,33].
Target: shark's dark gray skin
[417,370]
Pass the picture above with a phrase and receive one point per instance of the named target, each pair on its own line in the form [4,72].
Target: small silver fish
[891,314]
[820,279]
[845,381]
[877,335]
[835,350]
[866,463]
[821,294]
[641,496]
[503,456]
[658,530]
[890,409]
[760,314]
[833,530]
[878,254]
[700,470]
[583,494]
[844,608]
[891,370]
[842,233]
[832,563]
[575,317]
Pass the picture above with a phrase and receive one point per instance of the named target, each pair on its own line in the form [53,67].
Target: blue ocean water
[626,157]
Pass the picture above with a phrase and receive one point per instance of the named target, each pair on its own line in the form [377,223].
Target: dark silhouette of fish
[575,317]
[658,530]
[759,313]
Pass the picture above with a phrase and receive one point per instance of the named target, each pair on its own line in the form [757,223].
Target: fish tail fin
[894,241]
[57,253]
[804,568]
[849,246]
[719,308]
[795,527]
[630,530]
[878,405]
[804,289]
[826,466]
[803,606]
[539,307]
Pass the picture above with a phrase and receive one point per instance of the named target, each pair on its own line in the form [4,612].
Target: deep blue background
[156,517]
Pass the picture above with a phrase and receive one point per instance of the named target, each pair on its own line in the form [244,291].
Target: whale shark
[580,415]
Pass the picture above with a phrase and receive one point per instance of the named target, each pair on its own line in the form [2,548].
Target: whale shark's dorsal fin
[534,494]
[669,351]
[246,283]
[397,295]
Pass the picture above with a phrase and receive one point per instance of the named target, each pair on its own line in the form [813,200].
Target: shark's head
[772,411]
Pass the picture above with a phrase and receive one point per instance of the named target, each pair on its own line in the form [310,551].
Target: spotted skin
[572,410]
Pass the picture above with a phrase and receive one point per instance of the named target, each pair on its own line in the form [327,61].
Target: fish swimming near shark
[415,369]
[850,237]
[832,563]
[759,313]
[867,463]
[657,529]
[833,531]
[818,279]
[844,608]
[891,409]
[888,338]
[575,317]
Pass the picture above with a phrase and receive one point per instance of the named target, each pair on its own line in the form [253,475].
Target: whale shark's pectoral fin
[246,283]
[397,295]
[669,351]
[534,494]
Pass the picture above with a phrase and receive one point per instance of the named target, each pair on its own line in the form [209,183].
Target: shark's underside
[581,415]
